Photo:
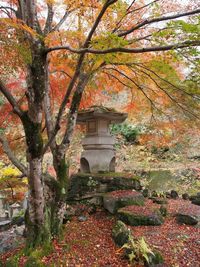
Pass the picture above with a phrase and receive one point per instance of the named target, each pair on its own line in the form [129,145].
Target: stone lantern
[99,153]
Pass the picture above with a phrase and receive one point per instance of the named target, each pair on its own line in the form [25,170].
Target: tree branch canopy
[164,18]
[126,50]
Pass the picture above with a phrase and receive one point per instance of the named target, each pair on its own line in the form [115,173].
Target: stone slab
[112,201]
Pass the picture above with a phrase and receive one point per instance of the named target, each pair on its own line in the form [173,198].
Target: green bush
[128,131]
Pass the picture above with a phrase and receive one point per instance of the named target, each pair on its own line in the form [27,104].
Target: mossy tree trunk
[59,206]
[57,203]
[36,221]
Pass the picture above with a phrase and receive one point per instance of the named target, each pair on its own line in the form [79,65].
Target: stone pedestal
[98,144]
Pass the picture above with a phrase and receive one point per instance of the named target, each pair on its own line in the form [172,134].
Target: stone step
[114,200]
[141,215]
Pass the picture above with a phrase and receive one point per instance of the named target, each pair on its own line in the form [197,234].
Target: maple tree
[57,53]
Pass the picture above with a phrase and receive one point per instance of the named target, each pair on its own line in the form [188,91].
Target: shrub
[128,131]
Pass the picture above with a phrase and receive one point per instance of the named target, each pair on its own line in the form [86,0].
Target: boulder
[159,201]
[193,197]
[82,218]
[18,220]
[5,225]
[188,219]
[188,214]
[154,260]
[120,233]
[12,238]
[185,196]
[112,201]
[69,213]
[145,192]
[174,194]
[163,210]
[138,215]
[196,201]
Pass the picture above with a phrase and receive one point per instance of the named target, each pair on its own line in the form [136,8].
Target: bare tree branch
[9,8]
[10,99]
[63,19]
[127,12]
[11,155]
[98,19]
[164,80]
[169,96]
[142,7]
[49,20]
[126,50]
[6,10]
[63,72]
[164,18]
[116,78]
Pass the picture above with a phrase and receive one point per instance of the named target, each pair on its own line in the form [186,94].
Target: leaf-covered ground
[90,243]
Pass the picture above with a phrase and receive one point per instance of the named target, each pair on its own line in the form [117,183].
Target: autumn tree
[54,52]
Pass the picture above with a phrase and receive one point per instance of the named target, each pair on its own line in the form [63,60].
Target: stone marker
[98,144]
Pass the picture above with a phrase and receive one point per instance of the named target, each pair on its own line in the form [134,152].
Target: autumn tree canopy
[59,55]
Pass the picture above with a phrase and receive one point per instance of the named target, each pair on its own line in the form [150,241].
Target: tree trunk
[37,218]
[59,206]
[59,161]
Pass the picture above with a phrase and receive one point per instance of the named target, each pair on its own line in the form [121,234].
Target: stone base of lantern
[98,160]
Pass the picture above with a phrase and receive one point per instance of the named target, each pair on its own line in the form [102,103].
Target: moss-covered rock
[89,185]
[155,259]
[137,215]
[160,201]
[112,201]
[188,219]
[195,200]
[120,233]
[163,210]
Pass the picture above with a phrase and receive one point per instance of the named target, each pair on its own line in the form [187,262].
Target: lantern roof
[101,112]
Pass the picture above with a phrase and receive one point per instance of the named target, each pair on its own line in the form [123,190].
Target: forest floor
[89,243]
